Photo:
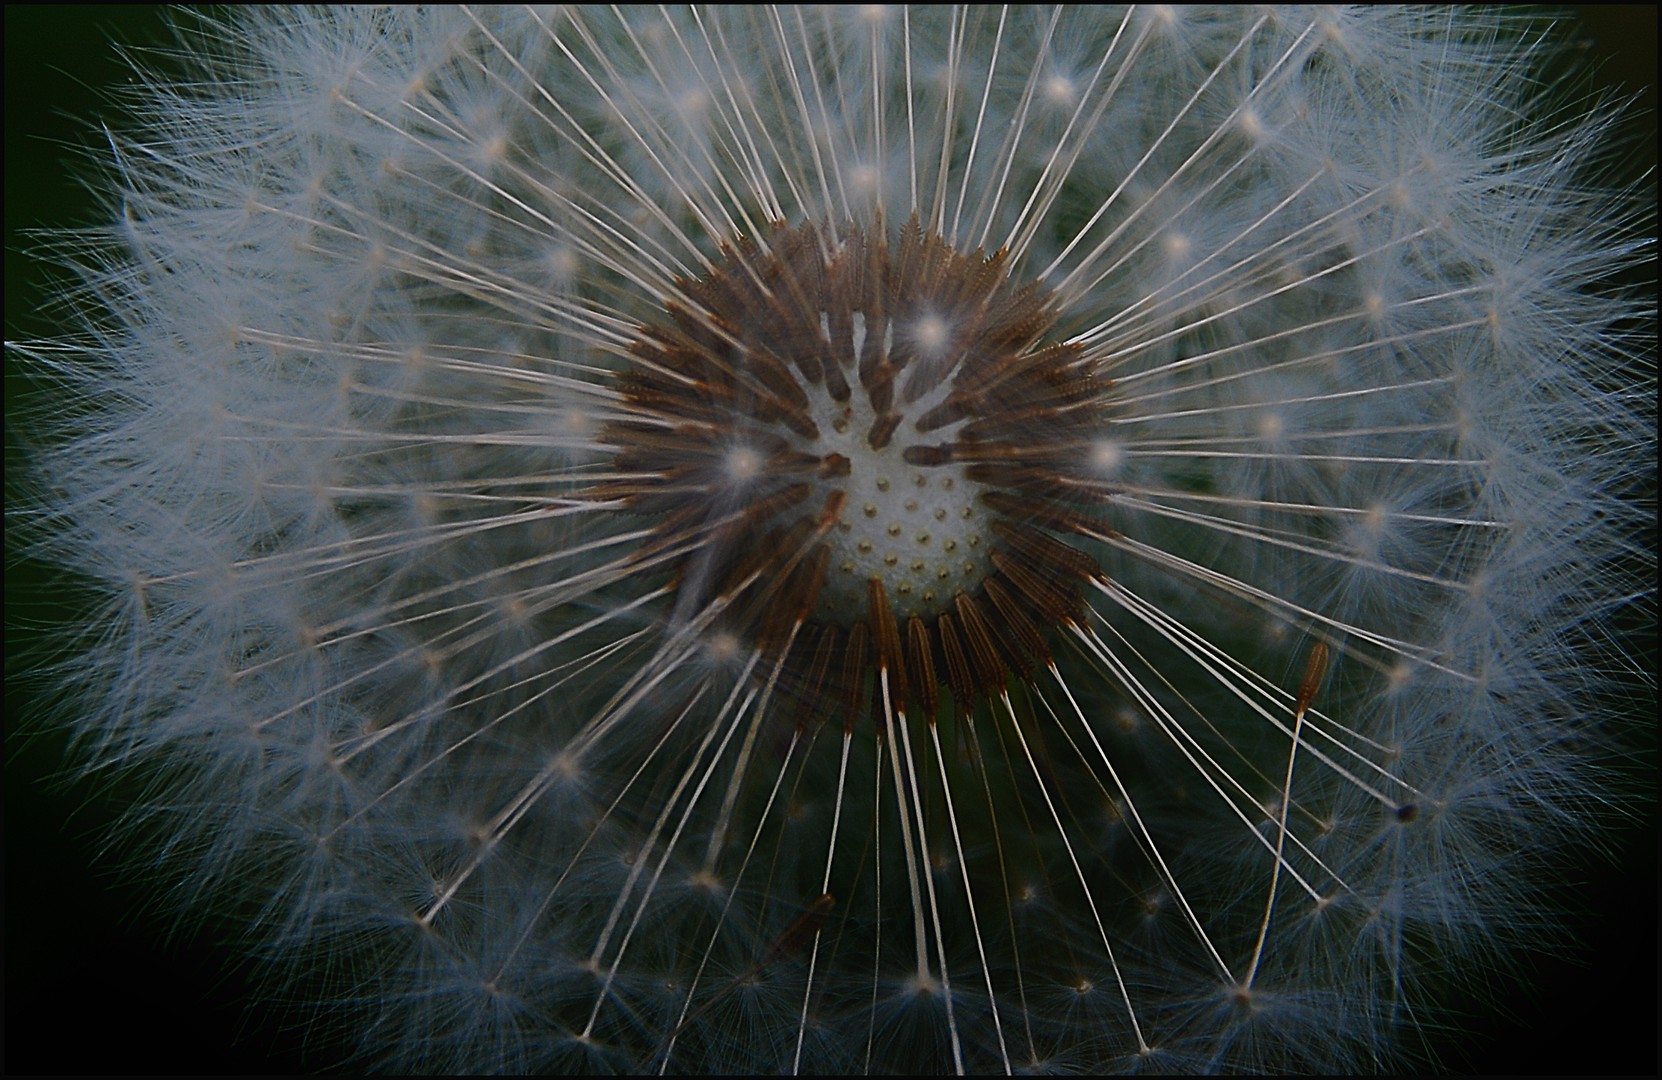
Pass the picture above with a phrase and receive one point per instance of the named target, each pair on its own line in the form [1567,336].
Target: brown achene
[862,459]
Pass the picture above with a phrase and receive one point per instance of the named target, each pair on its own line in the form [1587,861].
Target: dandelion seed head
[785,539]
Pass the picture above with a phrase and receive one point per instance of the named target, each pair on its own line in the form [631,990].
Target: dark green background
[98,983]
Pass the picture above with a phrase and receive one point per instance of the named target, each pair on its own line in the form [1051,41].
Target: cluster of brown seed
[862,458]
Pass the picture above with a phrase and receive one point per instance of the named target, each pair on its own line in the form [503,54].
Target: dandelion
[857,539]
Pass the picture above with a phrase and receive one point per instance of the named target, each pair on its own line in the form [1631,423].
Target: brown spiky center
[862,458]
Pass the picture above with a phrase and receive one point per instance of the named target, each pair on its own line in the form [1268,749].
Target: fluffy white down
[490,800]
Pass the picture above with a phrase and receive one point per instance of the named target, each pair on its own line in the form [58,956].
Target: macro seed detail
[865,455]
